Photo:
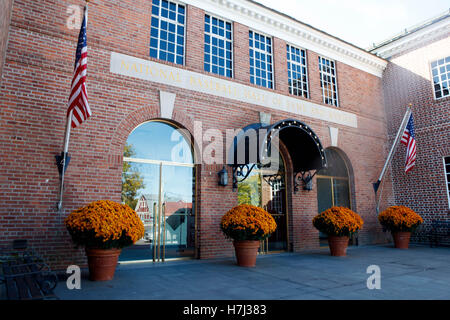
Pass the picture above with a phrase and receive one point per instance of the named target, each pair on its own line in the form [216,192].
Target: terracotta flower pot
[102,263]
[401,239]
[246,252]
[338,245]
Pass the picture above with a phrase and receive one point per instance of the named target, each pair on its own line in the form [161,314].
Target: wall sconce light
[223,177]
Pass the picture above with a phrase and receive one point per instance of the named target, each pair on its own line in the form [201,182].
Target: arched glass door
[158,182]
[333,187]
[266,189]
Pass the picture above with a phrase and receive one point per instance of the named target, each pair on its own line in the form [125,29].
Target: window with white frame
[447,176]
[218,46]
[297,71]
[440,70]
[328,81]
[261,71]
[167,31]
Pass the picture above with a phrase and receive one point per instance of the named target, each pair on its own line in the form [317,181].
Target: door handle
[154,230]
[164,231]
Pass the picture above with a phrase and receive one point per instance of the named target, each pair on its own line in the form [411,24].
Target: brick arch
[136,118]
[444,151]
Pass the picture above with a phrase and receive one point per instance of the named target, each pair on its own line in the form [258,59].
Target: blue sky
[158,141]
[360,22]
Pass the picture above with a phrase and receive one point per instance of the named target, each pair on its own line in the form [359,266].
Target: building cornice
[266,20]
[416,38]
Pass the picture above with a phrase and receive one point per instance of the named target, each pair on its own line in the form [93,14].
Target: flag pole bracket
[60,162]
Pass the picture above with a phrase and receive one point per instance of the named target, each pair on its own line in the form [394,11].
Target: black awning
[253,144]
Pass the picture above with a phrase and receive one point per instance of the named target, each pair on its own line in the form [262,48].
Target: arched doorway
[333,185]
[158,182]
[259,168]
[266,188]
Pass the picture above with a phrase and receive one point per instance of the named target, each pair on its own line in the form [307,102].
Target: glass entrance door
[161,191]
[178,226]
[273,198]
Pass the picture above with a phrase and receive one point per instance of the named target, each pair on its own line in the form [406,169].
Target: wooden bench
[26,276]
[440,230]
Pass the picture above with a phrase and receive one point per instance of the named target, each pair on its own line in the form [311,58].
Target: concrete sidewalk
[417,273]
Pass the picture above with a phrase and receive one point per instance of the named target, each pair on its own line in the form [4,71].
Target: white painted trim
[446,182]
[417,38]
[277,25]
[166,104]
[334,134]
[158,162]
[264,118]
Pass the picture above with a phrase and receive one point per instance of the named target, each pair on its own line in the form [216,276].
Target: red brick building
[418,73]
[207,67]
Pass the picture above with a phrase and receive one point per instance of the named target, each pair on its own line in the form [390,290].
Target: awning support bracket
[273,179]
[240,173]
[306,178]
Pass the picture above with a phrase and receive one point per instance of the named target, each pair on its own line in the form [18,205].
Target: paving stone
[419,273]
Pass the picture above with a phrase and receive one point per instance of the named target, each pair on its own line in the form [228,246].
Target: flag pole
[403,124]
[64,155]
[64,158]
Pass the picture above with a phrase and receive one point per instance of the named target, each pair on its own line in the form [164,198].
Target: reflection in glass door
[161,191]
[178,216]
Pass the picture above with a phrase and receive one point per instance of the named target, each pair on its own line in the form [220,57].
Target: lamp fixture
[223,177]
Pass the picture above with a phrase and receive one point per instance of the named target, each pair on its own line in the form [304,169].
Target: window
[440,70]
[167,31]
[218,46]
[298,78]
[328,81]
[447,176]
[260,60]
[333,185]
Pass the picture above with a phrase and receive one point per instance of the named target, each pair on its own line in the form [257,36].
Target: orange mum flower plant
[105,224]
[247,222]
[338,221]
[400,219]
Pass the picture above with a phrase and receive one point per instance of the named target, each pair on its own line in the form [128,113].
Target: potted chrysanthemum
[104,228]
[400,221]
[339,223]
[247,225]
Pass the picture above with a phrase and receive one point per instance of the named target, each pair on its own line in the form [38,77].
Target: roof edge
[412,35]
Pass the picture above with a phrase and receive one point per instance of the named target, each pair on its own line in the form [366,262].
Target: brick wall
[32,122]
[407,79]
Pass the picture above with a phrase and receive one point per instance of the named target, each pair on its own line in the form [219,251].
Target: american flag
[409,140]
[78,100]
